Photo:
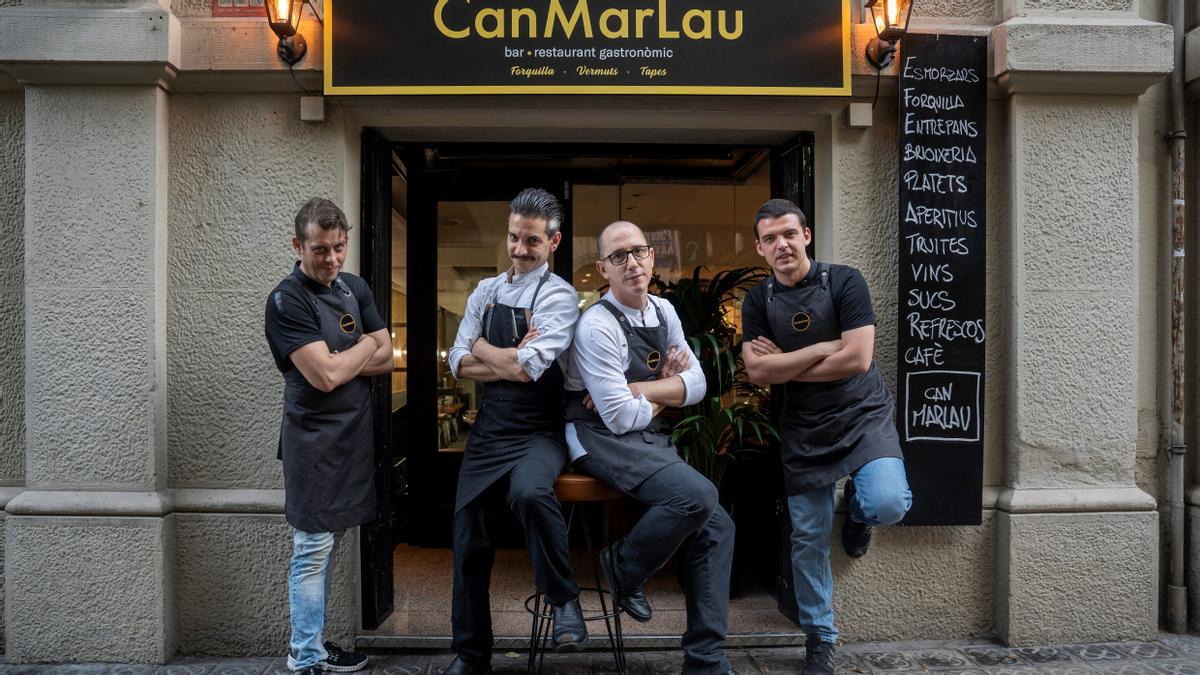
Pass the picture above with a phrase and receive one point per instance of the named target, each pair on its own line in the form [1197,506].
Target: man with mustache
[513,336]
[629,361]
[810,327]
[327,339]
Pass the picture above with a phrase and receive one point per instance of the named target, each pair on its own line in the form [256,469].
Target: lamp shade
[284,16]
[890,18]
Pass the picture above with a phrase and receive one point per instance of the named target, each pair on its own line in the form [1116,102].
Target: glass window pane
[689,224]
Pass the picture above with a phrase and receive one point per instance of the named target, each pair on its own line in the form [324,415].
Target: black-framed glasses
[618,258]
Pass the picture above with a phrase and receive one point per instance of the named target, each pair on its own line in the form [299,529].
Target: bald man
[629,362]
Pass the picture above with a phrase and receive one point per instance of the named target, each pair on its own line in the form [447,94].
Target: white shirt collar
[629,311]
[521,279]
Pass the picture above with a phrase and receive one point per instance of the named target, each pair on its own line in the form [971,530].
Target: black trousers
[683,513]
[528,491]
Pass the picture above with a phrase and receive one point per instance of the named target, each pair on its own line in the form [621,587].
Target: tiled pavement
[1169,655]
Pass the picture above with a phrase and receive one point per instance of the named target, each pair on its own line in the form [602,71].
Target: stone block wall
[241,167]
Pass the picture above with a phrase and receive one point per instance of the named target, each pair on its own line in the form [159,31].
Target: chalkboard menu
[939,407]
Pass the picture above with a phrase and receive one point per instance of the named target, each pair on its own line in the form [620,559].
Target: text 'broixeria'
[612,23]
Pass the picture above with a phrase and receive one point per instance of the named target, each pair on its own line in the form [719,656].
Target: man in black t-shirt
[810,328]
[327,339]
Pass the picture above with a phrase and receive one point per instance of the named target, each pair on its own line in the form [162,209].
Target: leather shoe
[856,536]
[570,631]
[460,666]
[634,602]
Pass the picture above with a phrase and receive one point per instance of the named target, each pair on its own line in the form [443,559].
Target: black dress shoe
[634,602]
[570,631]
[460,666]
[856,536]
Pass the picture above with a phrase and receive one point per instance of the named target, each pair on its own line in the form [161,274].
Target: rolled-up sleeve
[471,326]
[694,382]
[600,359]
[554,317]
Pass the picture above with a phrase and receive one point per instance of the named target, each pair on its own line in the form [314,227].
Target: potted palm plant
[729,421]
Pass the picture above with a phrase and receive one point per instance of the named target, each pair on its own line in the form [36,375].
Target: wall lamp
[284,18]
[890,18]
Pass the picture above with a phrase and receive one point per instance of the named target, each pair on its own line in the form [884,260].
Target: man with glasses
[629,361]
[810,327]
[513,336]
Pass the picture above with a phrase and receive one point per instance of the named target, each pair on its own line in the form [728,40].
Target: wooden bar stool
[574,490]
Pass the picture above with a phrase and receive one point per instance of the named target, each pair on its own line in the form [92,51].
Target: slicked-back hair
[324,213]
[538,204]
[778,208]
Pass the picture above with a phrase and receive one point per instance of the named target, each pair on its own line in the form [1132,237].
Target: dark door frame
[792,177]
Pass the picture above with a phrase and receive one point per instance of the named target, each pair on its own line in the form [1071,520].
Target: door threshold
[442,642]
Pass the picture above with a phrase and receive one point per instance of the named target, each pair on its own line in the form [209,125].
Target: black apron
[511,413]
[827,429]
[327,439]
[634,456]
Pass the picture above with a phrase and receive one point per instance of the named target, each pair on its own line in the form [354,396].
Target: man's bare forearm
[785,366]
[669,392]
[471,368]
[502,361]
[838,366]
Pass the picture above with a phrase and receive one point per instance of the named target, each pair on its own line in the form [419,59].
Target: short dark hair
[778,208]
[323,212]
[538,204]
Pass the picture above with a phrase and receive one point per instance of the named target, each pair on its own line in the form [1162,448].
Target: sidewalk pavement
[1168,655]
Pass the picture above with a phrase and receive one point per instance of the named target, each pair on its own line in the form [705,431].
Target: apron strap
[541,282]
[822,270]
[304,290]
[620,317]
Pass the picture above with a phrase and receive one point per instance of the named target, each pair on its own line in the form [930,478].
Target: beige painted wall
[240,168]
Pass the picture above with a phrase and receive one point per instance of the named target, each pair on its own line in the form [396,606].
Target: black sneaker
[341,661]
[856,536]
[818,657]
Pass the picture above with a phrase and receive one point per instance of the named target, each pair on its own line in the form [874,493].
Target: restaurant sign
[760,47]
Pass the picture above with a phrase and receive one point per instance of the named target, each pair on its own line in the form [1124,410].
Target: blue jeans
[881,497]
[309,577]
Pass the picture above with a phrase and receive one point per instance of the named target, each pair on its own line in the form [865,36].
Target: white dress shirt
[600,355]
[555,315]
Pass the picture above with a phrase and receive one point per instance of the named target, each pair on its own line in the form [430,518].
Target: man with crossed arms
[810,327]
[628,362]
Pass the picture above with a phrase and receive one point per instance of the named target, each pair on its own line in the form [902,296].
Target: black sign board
[767,47]
[941,334]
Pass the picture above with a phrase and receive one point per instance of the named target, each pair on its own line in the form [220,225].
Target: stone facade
[150,158]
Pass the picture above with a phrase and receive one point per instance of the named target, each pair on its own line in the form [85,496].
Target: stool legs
[616,640]
[539,633]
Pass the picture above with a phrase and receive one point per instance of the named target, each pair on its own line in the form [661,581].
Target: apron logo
[801,321]
[653,360]
[347,323]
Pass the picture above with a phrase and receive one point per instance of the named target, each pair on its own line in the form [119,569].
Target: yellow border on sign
[331,90]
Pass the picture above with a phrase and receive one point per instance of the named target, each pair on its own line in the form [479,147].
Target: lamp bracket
[292,49]
[880,53]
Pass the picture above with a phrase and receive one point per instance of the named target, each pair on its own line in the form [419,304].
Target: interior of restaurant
[696,205]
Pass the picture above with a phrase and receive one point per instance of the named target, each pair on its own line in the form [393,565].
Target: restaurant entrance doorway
[434,223]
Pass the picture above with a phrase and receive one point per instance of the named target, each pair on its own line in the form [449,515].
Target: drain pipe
[1177,620]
